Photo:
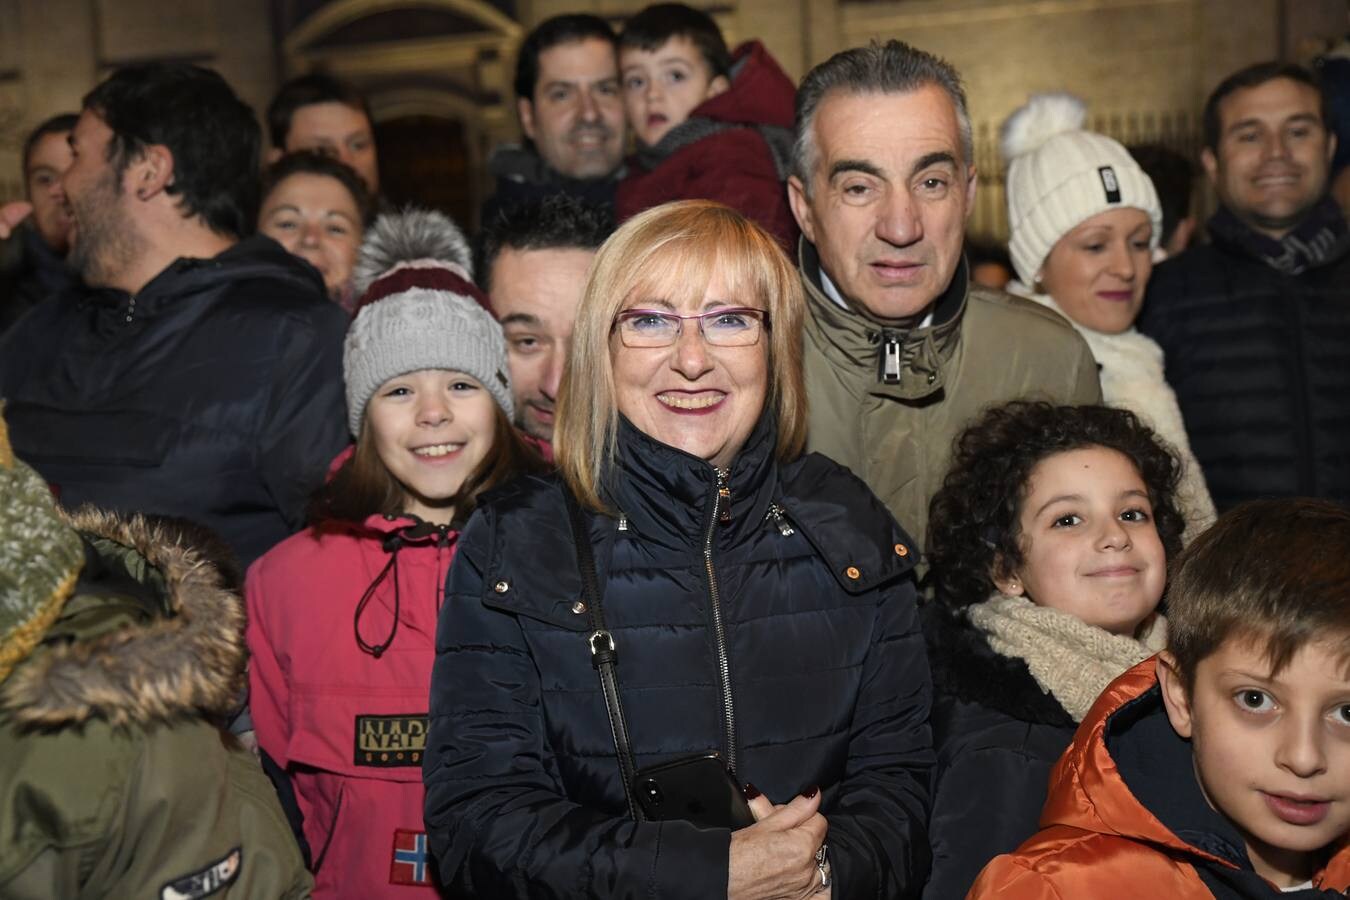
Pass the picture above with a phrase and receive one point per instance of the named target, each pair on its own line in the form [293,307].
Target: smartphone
[698,789]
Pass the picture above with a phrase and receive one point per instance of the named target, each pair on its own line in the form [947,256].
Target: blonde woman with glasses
[688,665]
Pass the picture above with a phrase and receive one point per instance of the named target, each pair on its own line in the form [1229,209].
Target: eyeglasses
[731,326]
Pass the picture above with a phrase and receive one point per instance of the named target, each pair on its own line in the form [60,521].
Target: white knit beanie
[1060,175]
[419,309]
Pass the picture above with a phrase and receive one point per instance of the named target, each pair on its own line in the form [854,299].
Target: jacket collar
[1319,240]
[967,668]
[853,339]
[667,494]
[410,529]
[255,257]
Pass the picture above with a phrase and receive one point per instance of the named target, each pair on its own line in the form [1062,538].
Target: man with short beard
[567,97]
[1255,325]
[202,378]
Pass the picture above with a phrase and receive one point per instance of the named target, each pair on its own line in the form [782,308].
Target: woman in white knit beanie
[1085,221]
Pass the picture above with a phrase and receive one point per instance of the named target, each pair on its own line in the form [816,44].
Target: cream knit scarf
[1072,660]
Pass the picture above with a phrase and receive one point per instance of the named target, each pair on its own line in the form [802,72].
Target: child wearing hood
[711,124]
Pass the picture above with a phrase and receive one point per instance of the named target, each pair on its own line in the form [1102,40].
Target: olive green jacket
[982,348]
[114,783]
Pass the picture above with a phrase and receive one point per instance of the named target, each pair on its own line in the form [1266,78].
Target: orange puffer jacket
[1099,840]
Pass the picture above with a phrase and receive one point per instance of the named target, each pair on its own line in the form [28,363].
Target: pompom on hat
[1060,175]
[40,558]
[419,309]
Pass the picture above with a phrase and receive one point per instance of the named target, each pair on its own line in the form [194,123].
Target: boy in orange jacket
[1221,767]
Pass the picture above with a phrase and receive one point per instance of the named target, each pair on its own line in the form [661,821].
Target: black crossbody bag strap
[604,656]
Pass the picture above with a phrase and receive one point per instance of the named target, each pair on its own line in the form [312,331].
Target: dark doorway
[424,160]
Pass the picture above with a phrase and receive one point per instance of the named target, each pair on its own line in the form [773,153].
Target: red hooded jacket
[734,164]
[348,726]
[1099,840]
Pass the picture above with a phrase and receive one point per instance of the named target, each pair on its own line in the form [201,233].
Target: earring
[141,194]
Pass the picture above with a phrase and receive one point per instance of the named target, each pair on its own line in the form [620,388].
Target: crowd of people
[705,523]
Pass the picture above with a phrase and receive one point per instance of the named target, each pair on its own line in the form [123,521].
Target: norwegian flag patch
[410,864]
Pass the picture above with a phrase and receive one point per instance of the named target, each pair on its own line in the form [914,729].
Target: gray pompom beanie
[1059,176]
[419,309]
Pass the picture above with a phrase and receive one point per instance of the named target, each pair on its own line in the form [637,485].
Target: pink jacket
[348,725]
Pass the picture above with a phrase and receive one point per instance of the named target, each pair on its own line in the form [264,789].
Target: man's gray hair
[890,68]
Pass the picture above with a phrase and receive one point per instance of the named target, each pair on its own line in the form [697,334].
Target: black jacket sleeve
[877,822]
[987,801]
[306,424]
[497,818]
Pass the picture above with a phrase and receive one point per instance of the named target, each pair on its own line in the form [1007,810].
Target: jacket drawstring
[392,543]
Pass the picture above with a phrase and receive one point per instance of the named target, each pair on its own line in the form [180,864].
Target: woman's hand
[775,859]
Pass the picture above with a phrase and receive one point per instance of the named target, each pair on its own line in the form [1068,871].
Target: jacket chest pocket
[378,734]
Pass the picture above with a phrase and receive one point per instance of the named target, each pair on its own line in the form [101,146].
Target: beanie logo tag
[1110,184]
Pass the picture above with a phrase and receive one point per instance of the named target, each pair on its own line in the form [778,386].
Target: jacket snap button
[501,587]
[578,608]
[852,572]
[901,550]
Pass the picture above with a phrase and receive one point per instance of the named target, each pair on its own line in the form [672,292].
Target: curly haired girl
[1049,543]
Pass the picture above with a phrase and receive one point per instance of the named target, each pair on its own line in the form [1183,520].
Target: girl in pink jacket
[342,617]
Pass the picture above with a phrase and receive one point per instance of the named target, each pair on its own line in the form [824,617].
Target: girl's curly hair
[974,519]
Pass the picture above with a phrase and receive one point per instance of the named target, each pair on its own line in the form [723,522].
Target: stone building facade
[438,72]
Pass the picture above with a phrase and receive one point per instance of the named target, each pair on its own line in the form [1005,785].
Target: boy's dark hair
[59,124]
[564,29]
[1276,572]
[650,29]
[1254,76]
[557,222]
[309,90]
[211,133]
[1173,175]
[974,519]
[311,162]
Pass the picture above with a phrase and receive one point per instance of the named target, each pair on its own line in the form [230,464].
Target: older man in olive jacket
[901,351]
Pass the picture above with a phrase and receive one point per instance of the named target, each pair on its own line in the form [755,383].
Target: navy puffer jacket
[214,394]
[828,677]
[997,734]
[1260,362]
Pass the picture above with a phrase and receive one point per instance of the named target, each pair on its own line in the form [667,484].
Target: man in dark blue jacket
[202,377]
[1255,325]
[567,97]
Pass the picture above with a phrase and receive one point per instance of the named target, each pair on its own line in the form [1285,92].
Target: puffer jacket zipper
[721,512]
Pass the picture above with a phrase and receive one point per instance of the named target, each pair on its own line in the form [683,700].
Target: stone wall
[53,51]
